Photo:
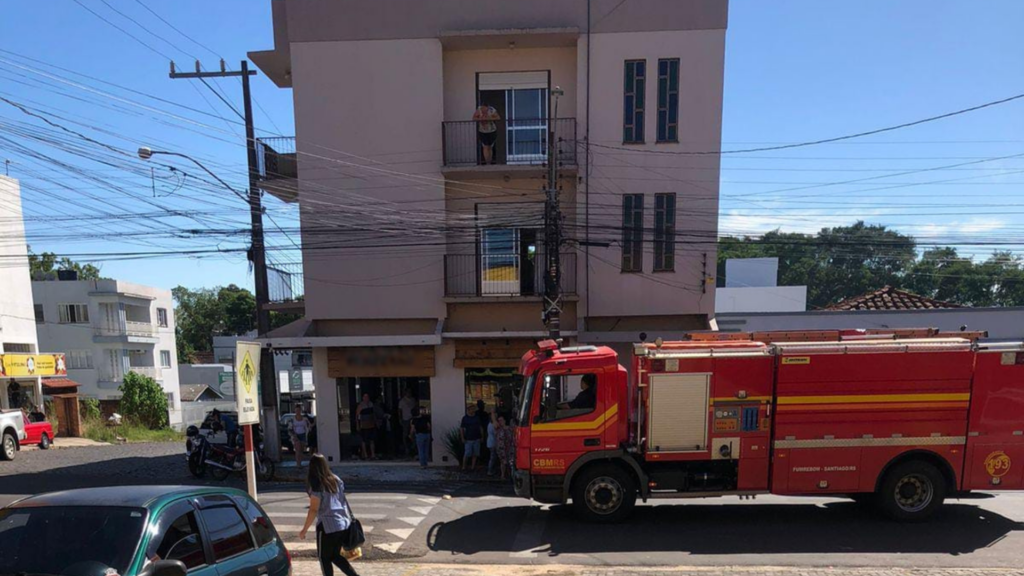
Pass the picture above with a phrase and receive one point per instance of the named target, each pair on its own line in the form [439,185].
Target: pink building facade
[421,264]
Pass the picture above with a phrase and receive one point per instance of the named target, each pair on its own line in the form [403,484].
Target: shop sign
[295,380]
[15,365]
[380,362]
[226,383]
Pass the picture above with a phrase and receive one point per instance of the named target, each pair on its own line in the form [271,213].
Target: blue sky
[796,70]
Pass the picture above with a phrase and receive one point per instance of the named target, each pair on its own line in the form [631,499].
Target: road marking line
[413,520]
[296,528]
[421,509]
[275,515]
[390,546]
[300,546]
[431,501]
[402,533]
[375,497]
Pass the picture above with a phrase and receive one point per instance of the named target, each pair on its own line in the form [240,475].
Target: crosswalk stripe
[413,520]
[431,501]
[305,504]
[421,509]
[402,533]
[275,515]
[295,528]
[390,546]
[300,546]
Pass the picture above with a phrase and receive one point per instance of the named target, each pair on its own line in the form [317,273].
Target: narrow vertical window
[632,232]
[668,100]
[664,232]
[633,101]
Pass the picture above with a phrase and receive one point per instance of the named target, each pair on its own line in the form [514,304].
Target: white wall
[766,299]
[751,272]
[447,401]
[327,425]
[17,316]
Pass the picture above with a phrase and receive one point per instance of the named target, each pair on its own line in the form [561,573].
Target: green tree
[45,266]
[207,312]
[143,401]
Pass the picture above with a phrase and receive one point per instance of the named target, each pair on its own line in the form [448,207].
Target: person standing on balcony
[487,129]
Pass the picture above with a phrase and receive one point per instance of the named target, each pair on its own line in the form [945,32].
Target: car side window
[227,529]
[178,538]
[261,527]
[567,396]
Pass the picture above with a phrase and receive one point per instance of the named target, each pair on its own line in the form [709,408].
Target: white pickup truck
[12,433]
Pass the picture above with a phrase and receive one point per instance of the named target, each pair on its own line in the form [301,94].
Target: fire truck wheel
[604,493]
[912,491]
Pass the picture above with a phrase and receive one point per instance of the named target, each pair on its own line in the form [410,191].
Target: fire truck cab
[899,419]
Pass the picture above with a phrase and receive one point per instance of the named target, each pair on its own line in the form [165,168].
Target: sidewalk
[60,443]
[384,472]
[312,568]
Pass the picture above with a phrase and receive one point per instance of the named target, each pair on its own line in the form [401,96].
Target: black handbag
[356,537]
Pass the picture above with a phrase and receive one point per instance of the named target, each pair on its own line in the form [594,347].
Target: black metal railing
[275,157]
[516,142]
[503,275]
[285,282]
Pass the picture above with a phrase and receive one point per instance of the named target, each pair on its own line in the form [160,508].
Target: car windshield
[69,540]
[523,402]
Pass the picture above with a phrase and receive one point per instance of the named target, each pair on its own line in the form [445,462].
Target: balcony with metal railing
[287,290]
[276,160]
[503,275]
[514,143]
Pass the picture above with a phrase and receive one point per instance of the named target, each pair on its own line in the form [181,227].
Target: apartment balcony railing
[150,371]
[130,329]
[516,142]
[469,275]
[276,160]
[285,282]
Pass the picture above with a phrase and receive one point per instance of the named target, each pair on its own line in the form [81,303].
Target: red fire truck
[899,419]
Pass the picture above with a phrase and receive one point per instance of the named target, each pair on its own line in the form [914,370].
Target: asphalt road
[455,522]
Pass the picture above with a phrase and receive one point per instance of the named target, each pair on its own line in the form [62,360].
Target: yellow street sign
[247,372]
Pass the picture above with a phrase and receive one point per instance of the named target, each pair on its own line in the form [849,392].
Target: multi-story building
[17,328]
[422,250]
[107,328]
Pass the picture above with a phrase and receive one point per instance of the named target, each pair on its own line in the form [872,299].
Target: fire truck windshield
[523,402]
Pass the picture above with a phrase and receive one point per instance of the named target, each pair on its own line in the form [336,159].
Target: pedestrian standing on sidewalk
[329,508]
[470,432]
[492,446]
[420,430]
[367,413]
[405,408]
[504,446]
[298,429]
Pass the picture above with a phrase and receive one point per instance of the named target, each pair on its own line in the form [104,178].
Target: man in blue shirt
[470,430]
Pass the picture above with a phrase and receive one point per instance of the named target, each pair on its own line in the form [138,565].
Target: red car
[39,433]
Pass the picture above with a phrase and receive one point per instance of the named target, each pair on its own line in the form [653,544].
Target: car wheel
[44,442]
[604,493]
[8,447]
[912,492]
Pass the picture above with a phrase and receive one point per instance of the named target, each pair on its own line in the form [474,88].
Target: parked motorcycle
[223,459]
[197,449]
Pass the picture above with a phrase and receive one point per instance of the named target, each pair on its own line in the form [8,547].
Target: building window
[632,232]
[170,400]
[664,232]
[40,317]
[79,359]
[495,386]
[668,100]
[165,358]
[633,101]
[161,317]
[17,348]
[302,358]
[73,313]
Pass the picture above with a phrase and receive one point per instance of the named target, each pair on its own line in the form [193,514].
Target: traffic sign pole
[250,462]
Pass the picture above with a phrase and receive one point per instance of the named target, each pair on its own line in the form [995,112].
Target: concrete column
[447,401]
[326,389]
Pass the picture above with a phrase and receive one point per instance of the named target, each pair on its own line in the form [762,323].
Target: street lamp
[145,152]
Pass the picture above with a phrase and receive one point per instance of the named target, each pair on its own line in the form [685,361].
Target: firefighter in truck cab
[901,419]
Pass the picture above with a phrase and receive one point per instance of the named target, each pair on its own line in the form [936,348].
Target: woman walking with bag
[329,508]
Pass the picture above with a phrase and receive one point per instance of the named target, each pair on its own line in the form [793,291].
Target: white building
[17,327]
[751,285]
[107,328]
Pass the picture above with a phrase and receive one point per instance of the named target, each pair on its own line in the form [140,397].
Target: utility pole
[553,233]
[257,254]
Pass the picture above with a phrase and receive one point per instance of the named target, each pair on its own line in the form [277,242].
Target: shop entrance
[386,393]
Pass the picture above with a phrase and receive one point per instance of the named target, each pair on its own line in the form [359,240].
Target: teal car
[141,531]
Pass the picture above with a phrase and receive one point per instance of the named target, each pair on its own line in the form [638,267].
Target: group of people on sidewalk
[494,432]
